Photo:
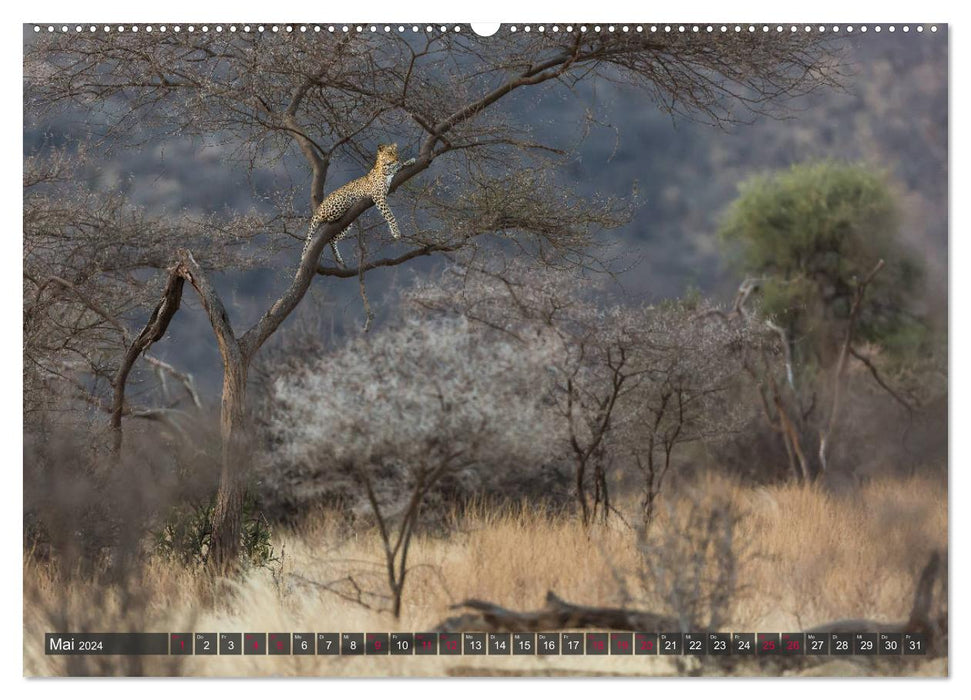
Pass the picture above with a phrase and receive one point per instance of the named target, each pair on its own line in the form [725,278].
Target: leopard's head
[387,153]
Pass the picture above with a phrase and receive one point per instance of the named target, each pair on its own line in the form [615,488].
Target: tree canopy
[809,235]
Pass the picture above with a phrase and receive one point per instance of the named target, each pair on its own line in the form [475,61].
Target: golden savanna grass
[805,557]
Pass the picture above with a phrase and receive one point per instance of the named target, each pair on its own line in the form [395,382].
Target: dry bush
[453,407]
[57,599]
[857,555]
[694,558]
[85,508]
[91,556]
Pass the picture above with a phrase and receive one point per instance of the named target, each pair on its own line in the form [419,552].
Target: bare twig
[879,379]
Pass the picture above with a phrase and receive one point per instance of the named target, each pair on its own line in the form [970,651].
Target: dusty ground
[804,557]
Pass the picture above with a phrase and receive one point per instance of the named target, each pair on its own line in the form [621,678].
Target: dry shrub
[694,557]
[59,600]
[856,555]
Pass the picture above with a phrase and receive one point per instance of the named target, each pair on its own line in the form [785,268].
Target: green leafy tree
[821,244]
[809,235]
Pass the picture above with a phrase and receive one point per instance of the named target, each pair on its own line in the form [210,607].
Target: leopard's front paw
[410,161]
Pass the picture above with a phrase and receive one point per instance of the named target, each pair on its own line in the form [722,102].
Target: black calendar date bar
[761,644]
[105,643]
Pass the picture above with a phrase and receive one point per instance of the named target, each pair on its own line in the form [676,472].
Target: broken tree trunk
[559,615]
[922,619]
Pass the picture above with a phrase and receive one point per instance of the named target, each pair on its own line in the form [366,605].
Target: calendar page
[458,350]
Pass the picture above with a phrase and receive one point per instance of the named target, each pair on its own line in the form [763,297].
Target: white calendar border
[539,11]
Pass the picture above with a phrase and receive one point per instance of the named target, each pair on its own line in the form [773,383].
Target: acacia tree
[591,365]
[422,399]
[692,364]
[332,96]
[808,236]
[629,383]
[821,243]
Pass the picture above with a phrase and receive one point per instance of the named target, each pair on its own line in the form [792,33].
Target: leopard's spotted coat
[374,185]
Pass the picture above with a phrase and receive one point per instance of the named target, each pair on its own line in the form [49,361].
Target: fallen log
[558,614]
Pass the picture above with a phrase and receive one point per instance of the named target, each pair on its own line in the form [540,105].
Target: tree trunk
[227,517]
[601,495]
[228,513]
[581,491]
[826,434]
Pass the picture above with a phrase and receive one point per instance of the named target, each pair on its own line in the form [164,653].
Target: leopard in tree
[374,185]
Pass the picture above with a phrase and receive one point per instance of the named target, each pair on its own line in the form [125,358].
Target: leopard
[374,185]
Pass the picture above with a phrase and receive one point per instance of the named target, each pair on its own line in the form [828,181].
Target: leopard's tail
[314,225]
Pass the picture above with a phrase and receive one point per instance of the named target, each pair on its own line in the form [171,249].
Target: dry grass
[815,557]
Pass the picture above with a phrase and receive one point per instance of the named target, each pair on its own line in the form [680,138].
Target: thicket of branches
[92,260]
[508,370]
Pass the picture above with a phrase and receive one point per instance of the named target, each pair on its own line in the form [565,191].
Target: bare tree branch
[164,311]
[879,379]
